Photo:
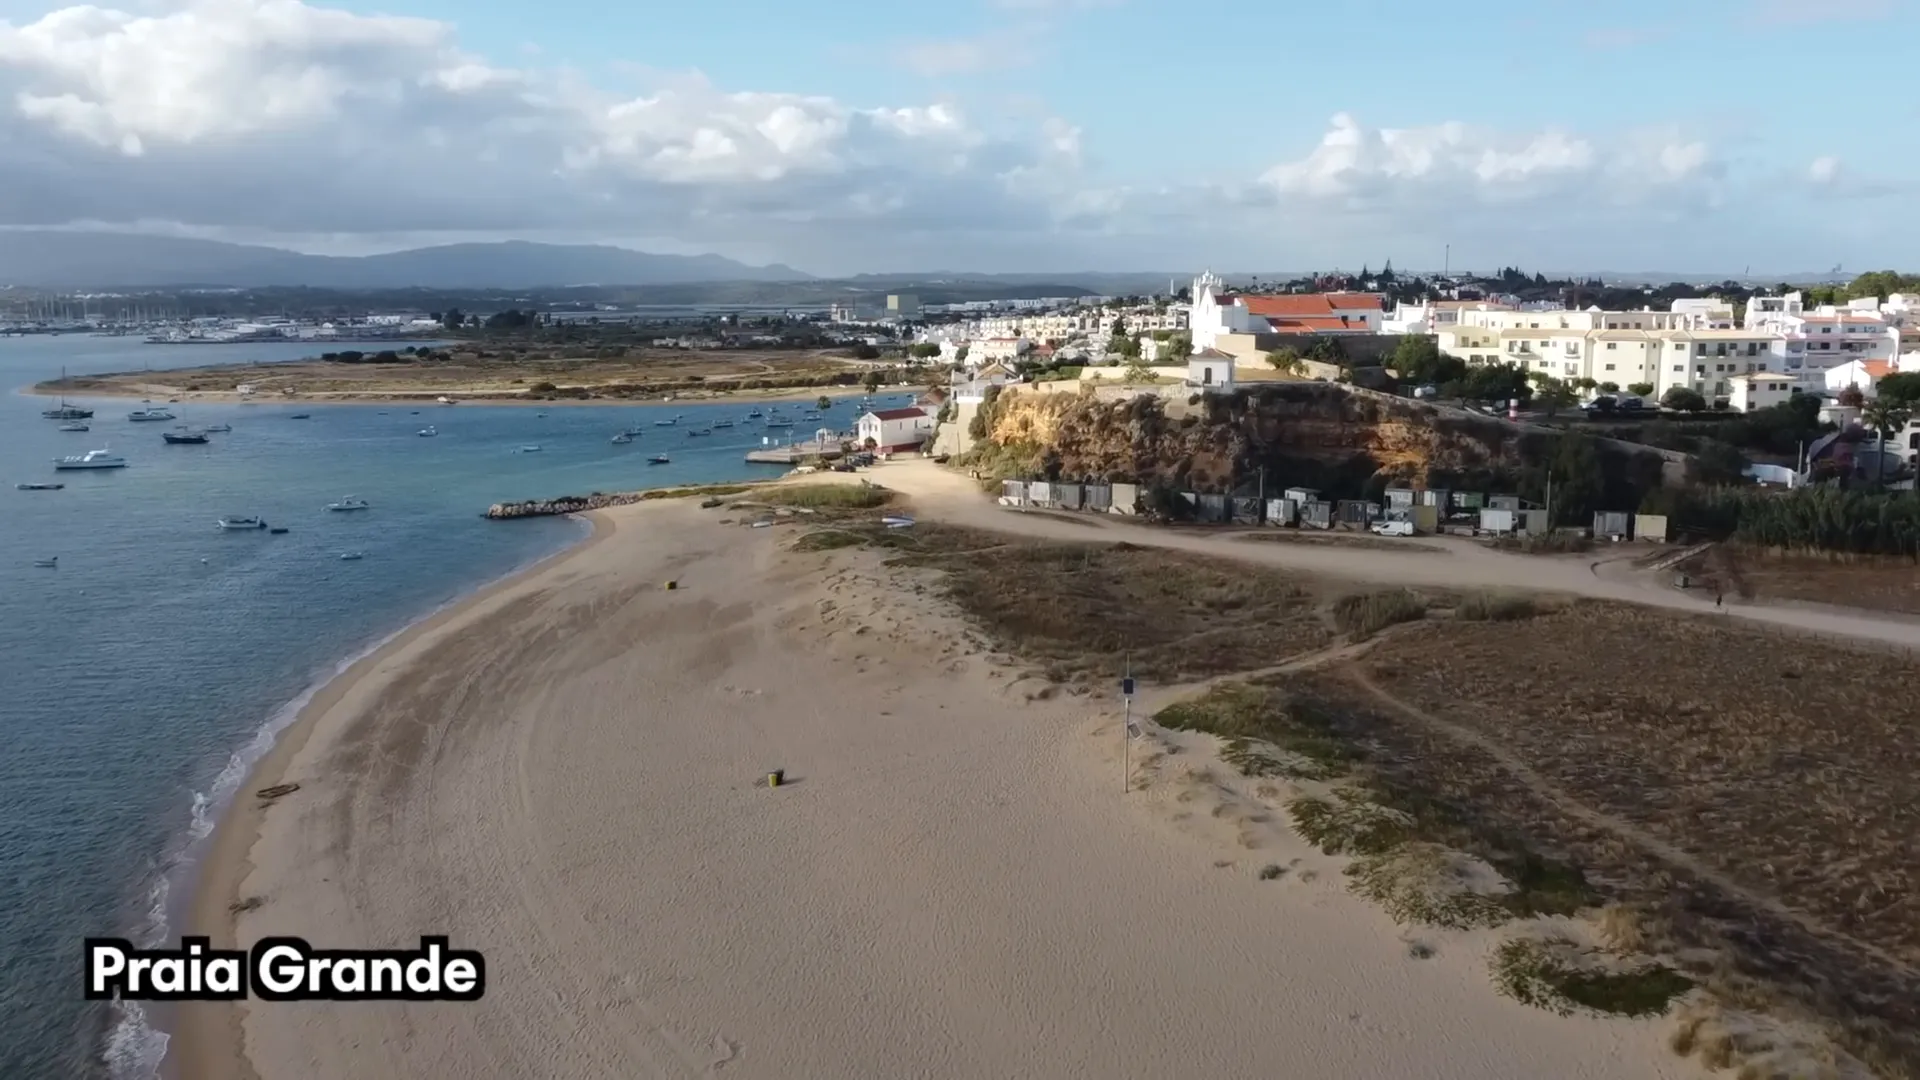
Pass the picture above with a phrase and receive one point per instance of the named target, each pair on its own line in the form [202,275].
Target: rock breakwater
[565,504]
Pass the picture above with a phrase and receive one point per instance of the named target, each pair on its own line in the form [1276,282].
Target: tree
[1901,387]
[1554,395]
[1612,388]
[1717,463]
[1179,347]
[872,382]
[1683,399]
[1137,372]
[1852,397]
[1640,389]
[1885,417]
[823,402]
[926,350]
[1288,361]
[1417,359]
[864,351]
[453,320]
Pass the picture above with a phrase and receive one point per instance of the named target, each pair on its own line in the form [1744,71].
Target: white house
[1864,374]
[1210,371]
[994,349]
[1216,312]
[894,429]
[1760,390]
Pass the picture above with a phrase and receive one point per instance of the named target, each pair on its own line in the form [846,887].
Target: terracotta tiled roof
[1318,325]
[1212,354]
[1308,305]
[1877,369]
[899,414]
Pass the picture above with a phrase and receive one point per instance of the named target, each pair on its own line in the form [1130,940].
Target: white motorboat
[241,523]
[356,556]
[623,437]
[92,459]
[218,427]
[666,423]
[48,564]
[527,449]
[149,414]
[350,502]
[74,425]
[428,432]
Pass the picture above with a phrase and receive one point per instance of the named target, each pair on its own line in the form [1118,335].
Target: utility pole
[1126,728]
[1549,500]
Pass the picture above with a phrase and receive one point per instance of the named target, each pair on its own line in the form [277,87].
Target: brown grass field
[1754,796]
[488,372]
[1878,584]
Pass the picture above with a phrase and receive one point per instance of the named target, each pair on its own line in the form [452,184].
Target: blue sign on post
[1126,687]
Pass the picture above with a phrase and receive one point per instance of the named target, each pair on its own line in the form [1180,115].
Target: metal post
[1126,749]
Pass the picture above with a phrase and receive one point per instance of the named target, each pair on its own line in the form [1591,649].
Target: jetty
[796,452]
[565,504]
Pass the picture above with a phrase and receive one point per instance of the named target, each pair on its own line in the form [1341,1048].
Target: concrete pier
[795,453]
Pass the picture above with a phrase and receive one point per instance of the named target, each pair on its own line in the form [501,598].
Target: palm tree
[1885,417]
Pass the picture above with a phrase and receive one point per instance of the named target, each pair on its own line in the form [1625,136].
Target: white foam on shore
[136,1048]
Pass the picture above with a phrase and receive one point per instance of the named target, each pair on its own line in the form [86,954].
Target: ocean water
[141,679]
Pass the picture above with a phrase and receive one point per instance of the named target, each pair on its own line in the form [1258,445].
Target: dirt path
[942,495]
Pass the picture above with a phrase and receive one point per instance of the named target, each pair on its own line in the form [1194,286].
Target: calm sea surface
[141,678]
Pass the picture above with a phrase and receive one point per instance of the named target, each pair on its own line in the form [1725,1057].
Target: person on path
[1716,599]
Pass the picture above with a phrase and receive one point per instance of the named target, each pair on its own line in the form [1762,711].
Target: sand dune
[563,774]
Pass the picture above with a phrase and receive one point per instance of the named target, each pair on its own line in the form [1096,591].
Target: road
[939,494]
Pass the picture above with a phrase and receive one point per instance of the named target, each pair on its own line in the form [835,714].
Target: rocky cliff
[1314,435]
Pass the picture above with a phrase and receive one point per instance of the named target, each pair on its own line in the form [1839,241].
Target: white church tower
[1204,320]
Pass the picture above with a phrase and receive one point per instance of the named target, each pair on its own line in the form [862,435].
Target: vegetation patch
[704,490]
[1420,882]
[1082,612]
[829,496]
[1558,542]
[1346,823]
[828,540]
[1264,731]
[1496,607]
[1557,975]
[1362,615]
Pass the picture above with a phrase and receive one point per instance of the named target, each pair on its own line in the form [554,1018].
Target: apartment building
[1759,391]
[1828,335]
[1617,347]
[1062,326]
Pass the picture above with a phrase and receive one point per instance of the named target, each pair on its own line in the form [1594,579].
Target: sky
[846,136]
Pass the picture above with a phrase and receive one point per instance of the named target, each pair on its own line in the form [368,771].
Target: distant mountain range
[69,260]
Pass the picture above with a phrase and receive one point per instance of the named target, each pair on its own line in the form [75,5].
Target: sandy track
[942,495]
[562,775]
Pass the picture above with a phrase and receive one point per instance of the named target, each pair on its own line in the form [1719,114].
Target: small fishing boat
[67,412]
[355,556]
[778,421]
[623,437]
[428,432]
[666,423]
[301,416]
[277,530]
[692,432]
[240,523]
[634,432]
[658,459]
[150,414]
[184,436]
[39,487]
[218,427]
[527,449]
[349,502]
[92,459]
[74,425]
[48,564]
[721,424]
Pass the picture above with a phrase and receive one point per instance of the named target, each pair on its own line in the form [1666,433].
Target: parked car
[1393,528]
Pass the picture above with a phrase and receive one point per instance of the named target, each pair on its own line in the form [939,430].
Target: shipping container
[1355,511]
[1426,519]
[1126,499]
[1399,497]
[1015,490]
[1499,522]
[1608,523]
[1214,509]
[1469,500]
[1650,527]
[1246,509]
[1282,511]
[1504,502]
[1301,496]
[1039,493]
[1066,496]
[1434,497]
[1099,497]
[1535,522]
[1316,515]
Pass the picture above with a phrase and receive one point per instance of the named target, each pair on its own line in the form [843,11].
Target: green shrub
[1362,615]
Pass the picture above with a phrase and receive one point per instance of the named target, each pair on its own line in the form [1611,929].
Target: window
[1609,367]
[1611,345]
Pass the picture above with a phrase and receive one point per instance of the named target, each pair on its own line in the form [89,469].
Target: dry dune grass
[1757,795]
[1079,610]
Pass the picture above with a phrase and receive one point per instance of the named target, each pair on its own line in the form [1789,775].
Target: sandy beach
[565,774]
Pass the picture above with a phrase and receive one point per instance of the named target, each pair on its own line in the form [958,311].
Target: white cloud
[1454,164]
[1824,170]
[966,56]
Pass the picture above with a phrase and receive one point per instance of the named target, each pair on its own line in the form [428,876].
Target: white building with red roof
[1216,312]
[890,430]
